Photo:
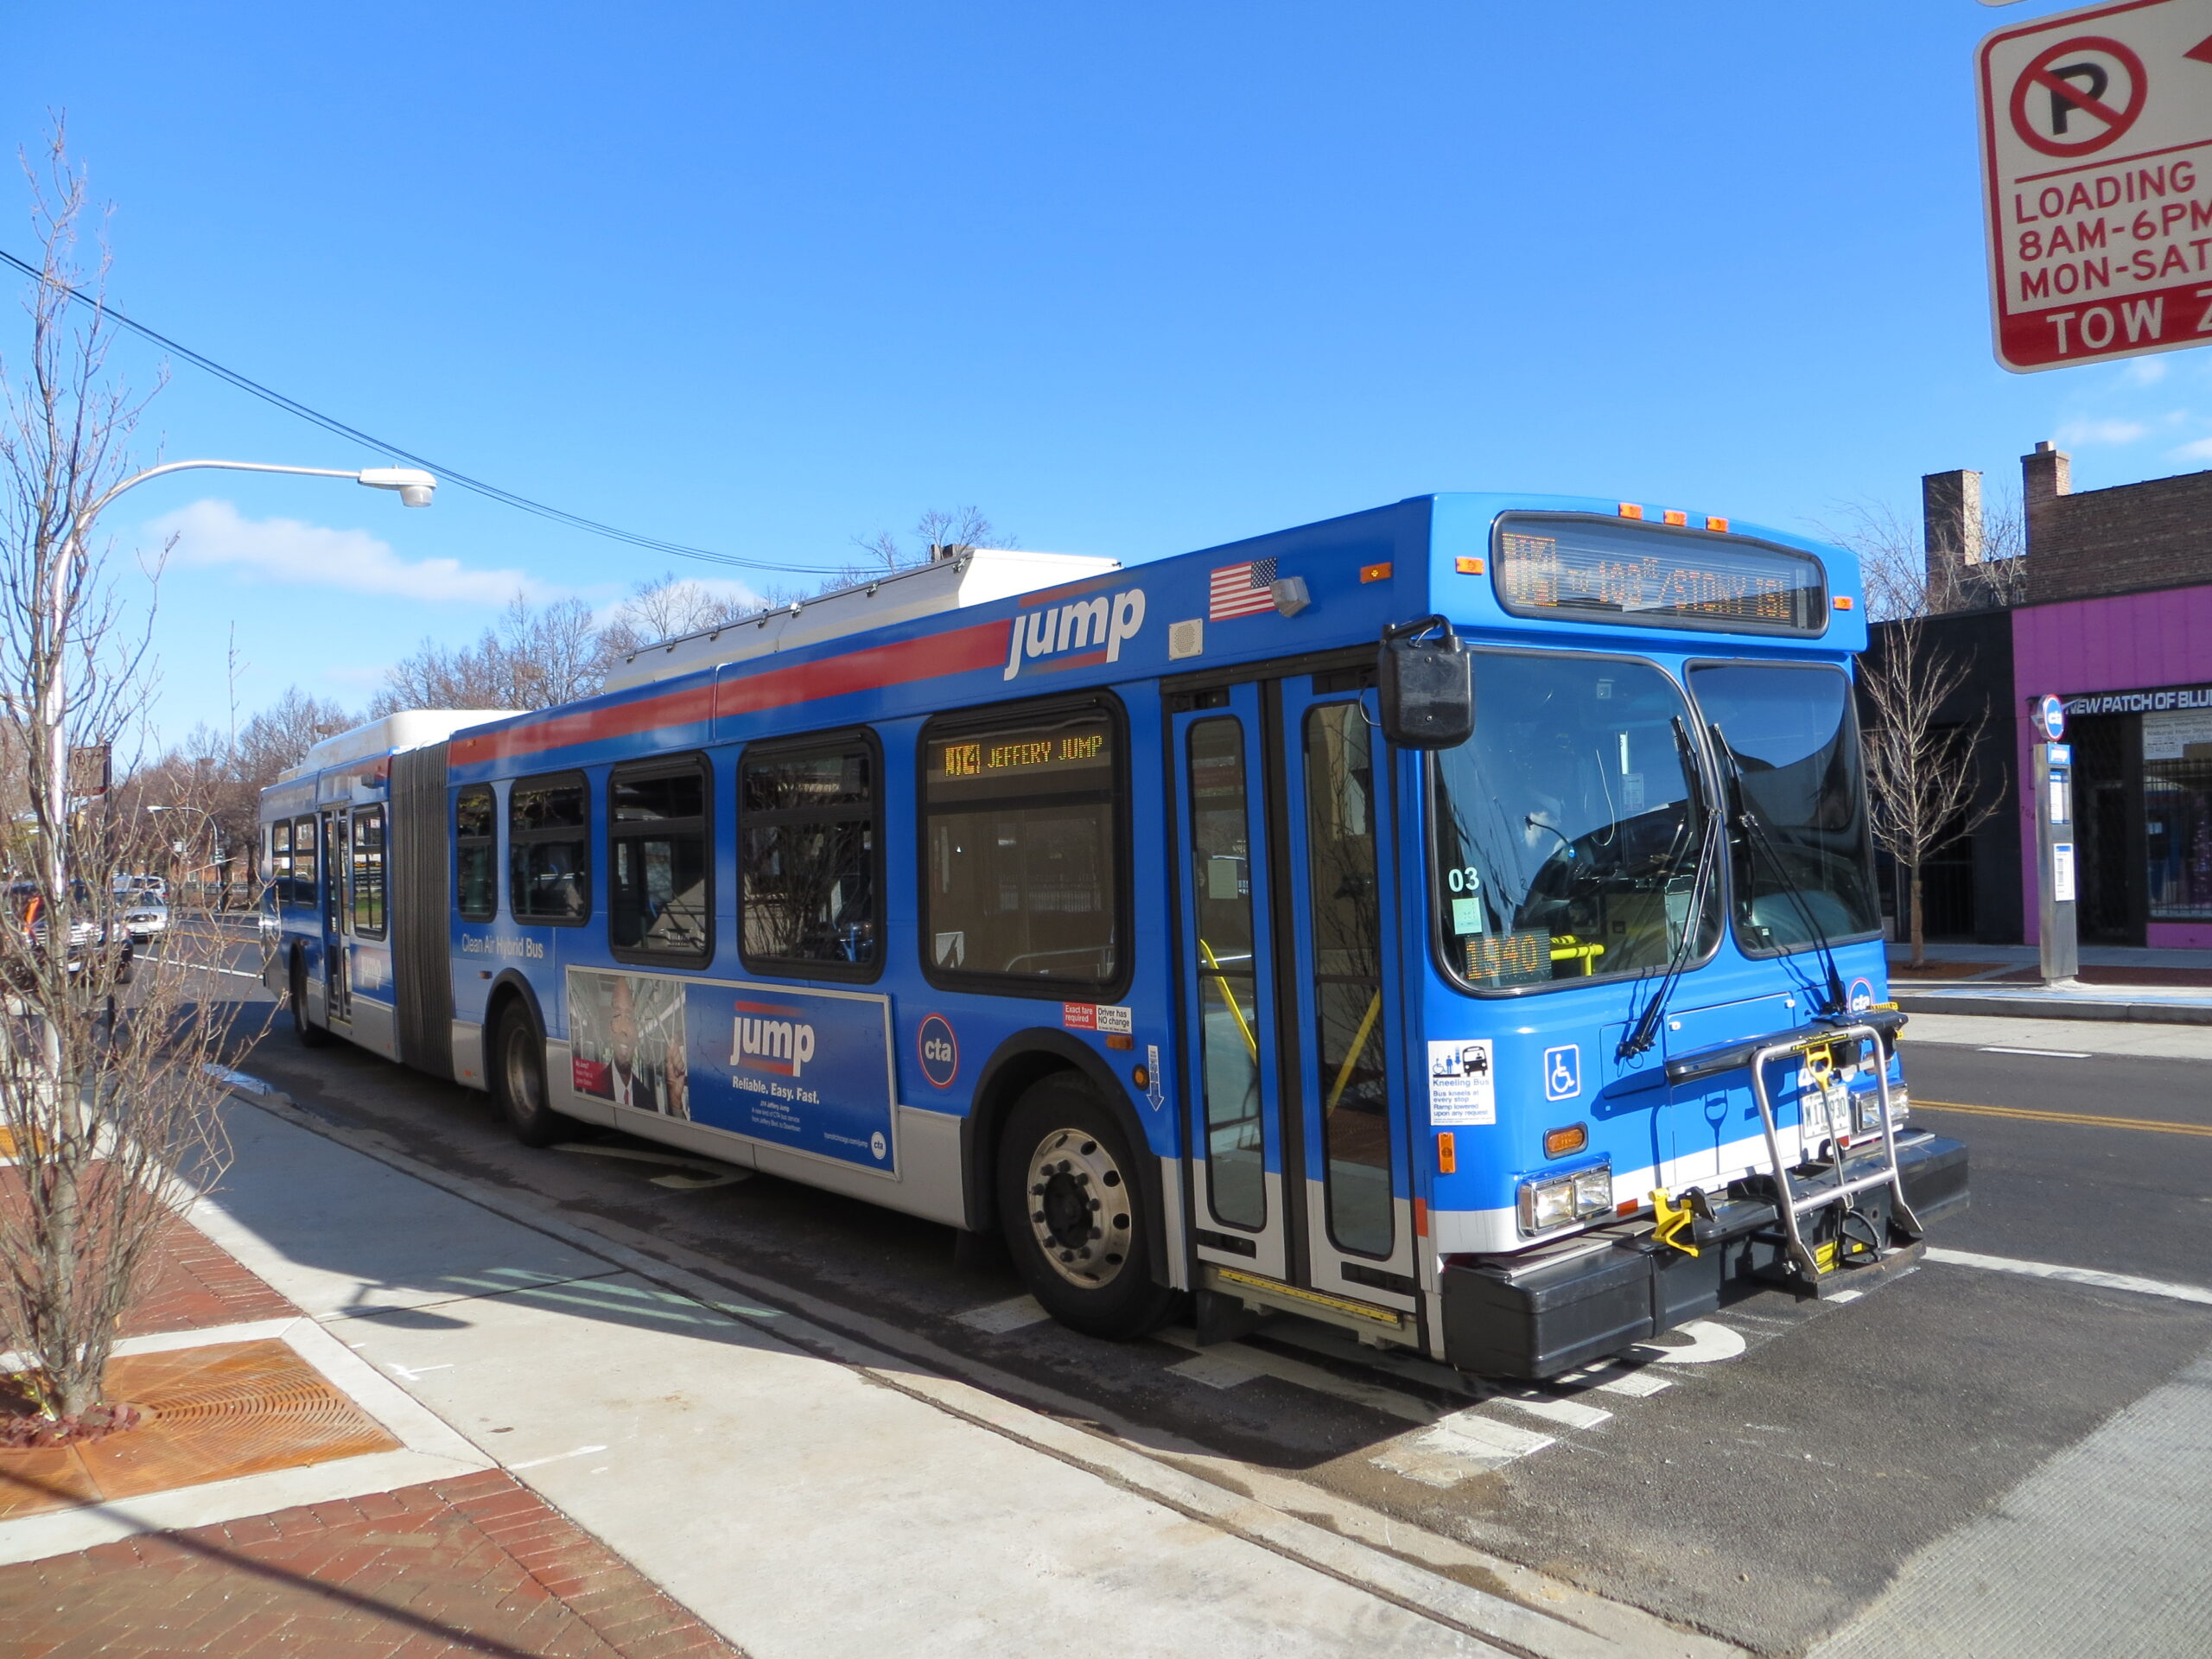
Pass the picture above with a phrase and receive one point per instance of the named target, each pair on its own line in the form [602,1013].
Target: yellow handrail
[1359,1047]
[1221,984]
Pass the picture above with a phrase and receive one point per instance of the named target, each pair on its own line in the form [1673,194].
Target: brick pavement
[477,1564]
[190,1284]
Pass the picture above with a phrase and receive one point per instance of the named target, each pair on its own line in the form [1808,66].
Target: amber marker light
[1719,525]
[1630,510]
[1142,1077]
[1561,1143]
[1447,1154]
[1468,567]
[1375,573]
[1675,516]
[1843,602]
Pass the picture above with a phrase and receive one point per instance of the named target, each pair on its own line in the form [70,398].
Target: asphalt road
[1765,1482]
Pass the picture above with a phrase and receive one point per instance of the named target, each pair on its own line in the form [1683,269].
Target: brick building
[2115,617]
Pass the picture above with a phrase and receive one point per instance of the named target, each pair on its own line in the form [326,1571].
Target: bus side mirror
[1427,687]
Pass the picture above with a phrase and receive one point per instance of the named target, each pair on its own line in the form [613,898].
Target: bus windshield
[1805,872]
[1565,832]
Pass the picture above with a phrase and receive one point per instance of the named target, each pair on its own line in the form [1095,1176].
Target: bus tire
[310,1034]
[1072,1208]
[518,1081]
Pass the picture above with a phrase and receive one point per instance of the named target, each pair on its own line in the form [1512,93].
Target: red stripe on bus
[684,708]
[961,652]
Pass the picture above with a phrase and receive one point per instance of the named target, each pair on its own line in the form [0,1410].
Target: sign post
[2054,786]
[2096,156]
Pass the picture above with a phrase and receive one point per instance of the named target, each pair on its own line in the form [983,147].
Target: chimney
[1950,518]
[2046,474]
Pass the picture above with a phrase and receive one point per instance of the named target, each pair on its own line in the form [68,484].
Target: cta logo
[765,1038]
[1077,634]
[939,1051]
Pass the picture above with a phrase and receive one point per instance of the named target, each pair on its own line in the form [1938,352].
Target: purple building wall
[2120,644]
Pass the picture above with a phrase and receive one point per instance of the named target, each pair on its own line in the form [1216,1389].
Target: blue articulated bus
[1455,922]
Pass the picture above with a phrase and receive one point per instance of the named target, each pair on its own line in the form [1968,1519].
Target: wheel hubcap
[522,1075]
[1079,1208]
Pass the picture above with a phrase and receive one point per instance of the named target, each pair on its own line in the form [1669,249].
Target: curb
[2058,1007]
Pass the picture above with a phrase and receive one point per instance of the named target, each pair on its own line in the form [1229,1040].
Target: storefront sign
[2139,703]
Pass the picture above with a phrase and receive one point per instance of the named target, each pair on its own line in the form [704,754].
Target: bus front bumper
[1541,1312]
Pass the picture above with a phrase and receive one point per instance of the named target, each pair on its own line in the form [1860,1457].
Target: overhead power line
[445,474]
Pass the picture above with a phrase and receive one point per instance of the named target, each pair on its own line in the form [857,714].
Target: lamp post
[414,486]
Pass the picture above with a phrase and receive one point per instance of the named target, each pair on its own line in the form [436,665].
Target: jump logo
[1094,628]
[760,1042]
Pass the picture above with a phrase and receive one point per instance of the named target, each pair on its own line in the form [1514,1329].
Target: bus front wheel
[310,1034]
[518,1081]
[1074,1214]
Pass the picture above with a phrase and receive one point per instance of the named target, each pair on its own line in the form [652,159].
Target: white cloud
[2200,450]
[2074,434]
[213,534]
[2145,372]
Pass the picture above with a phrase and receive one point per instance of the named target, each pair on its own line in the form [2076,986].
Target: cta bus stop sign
[2054,784]
[2096,154]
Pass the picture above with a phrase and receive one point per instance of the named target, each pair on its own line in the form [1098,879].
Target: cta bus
[1455,922]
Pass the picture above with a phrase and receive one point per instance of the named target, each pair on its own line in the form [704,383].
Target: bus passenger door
[1342,999]
[1232,1106]
[337,915]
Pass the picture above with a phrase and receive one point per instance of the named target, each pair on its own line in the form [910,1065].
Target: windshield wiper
[1647,1026]
[1755,839]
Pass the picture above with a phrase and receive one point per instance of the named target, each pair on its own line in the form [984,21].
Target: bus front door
[337,917]
[1295,1103]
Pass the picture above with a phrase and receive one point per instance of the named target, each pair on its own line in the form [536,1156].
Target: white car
[146,919]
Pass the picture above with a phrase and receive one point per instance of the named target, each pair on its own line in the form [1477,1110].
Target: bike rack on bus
[1788,1206]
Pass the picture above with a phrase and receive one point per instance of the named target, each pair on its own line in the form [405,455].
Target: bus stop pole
[2054,786]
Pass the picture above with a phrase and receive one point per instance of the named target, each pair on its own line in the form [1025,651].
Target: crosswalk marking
[1313,1376]
[1566,1413]
[999,1317]
[1215,1370]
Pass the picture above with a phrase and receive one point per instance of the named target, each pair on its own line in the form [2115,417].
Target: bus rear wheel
[1074,1213]
[310,1034]
[518,1081]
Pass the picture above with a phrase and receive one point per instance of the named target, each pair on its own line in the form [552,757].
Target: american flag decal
[1240,590]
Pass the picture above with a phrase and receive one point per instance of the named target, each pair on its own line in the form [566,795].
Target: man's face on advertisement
[622,1024]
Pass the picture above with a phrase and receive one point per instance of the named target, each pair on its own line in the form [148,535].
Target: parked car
[89,941]
[146,918]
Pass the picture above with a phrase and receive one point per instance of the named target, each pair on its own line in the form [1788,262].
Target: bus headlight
[1554,1200]
[1867,1108]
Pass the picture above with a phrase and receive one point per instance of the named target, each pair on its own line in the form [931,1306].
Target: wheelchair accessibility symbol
[1562,1072]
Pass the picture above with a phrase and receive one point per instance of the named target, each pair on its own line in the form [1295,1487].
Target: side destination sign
[804,1069]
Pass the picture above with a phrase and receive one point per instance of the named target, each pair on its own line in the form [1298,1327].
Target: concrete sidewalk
[802,1506]
[2125,984]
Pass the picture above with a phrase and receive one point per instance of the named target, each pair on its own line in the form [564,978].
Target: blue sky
[1133,278]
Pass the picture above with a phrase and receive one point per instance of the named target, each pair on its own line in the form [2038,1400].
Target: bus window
[1566,833]
[1023,852]
[806,854]
[303,870]
[1351,1038]
[549,849]
[1221,887]
[1805,872]
[368,872]
[657,903]
[280,861]
[476,847]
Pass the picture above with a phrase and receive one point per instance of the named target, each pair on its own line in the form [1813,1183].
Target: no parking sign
[2096,149]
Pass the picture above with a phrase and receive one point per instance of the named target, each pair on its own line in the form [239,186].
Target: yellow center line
[2156,1124]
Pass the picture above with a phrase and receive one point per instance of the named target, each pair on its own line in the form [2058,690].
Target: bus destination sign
[1656,578]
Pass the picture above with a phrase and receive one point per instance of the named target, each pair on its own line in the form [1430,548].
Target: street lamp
[413,484]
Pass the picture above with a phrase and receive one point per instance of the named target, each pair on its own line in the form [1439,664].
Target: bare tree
[938,534]
[1904,576]
[670,607]
[107,1112]
[533,656]
[1922,792]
